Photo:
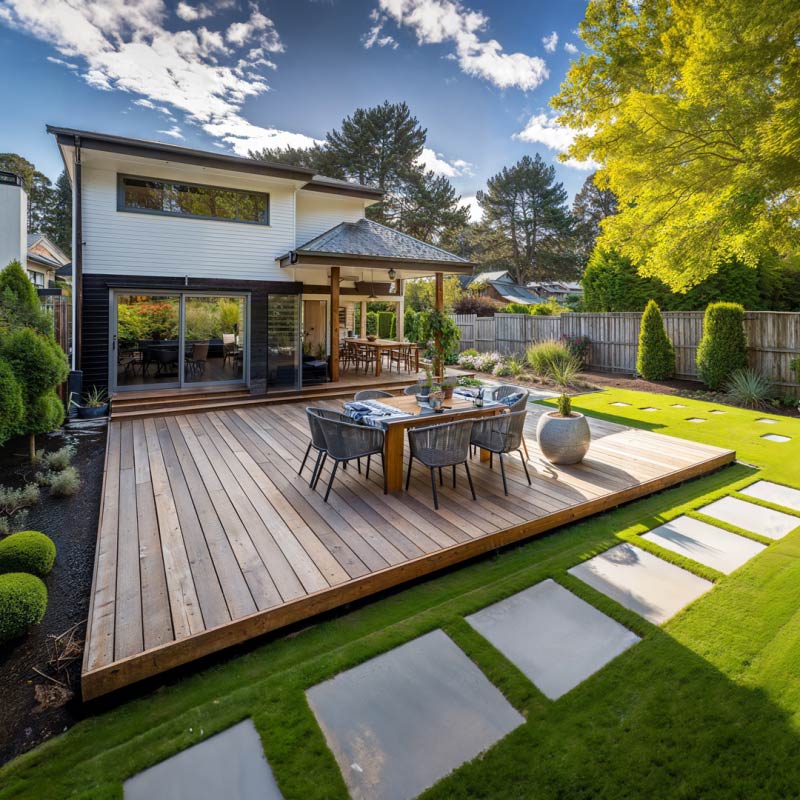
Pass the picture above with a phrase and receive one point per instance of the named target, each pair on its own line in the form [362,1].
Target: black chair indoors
[345,441]
[317,441]
[439,446]
[502,434]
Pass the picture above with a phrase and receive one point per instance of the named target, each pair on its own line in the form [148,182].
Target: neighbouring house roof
[91,140]
[43,261]
[487,277]
[65,271]
[514,293]
[41,240]
[557,287]
[369,241]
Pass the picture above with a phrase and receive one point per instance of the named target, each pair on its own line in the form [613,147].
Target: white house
[197,268]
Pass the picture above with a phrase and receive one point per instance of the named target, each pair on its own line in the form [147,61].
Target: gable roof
[371,240]
[145,148]
[58,255]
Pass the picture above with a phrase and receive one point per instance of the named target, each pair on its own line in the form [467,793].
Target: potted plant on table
[448,386]
[95,404]
[563,434]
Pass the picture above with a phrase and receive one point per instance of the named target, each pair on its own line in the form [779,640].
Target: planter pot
[448,392]
[563,440]
[92,412]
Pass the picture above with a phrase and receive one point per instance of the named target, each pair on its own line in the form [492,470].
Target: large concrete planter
[563,440]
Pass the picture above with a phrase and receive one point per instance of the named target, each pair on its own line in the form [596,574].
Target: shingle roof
[515,293]
[369,238]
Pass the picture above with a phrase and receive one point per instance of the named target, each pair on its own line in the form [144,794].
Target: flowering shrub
[481,362]
[578,346]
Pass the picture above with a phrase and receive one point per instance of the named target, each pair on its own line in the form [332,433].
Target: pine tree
[591,206]
[37,185]
[656,357]
[57,225]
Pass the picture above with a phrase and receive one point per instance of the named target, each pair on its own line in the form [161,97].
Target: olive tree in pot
[564,434]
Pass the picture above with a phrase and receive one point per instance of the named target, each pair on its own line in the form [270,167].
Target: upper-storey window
[180,199]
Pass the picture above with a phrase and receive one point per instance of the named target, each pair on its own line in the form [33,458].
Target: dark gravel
[72,524]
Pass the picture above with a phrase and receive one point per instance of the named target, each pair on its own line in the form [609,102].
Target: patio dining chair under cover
[502,434]
[371,394]
[346,441]
[317,441]
[438,446]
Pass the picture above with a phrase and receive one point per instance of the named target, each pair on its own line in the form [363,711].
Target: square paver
[704,543]
[554,637]
[642,582]
[717,411]
[648,408]
[620,404]
[774,493]
[399,722]
[767,421]
[695,419]
[750,517]
[229,765]
[776,437]
[678,405]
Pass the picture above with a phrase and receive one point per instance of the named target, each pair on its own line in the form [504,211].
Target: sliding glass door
[172,340]
[283,341]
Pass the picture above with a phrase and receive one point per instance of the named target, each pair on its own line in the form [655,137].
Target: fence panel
[466,324]
[485,339]
[773,340]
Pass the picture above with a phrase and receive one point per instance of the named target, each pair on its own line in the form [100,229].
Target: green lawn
[708,706]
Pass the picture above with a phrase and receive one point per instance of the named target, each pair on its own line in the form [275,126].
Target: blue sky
[234,74]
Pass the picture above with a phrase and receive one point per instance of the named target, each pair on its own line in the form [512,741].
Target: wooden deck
[207,536]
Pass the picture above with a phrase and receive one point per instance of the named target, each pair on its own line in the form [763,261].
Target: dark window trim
[122,208]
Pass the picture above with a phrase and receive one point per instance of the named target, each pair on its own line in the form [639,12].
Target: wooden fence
[773,339]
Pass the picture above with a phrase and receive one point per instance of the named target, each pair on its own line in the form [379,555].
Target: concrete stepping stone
[642,582]
[678,405]
[704,543]
[767,421]
[750,517]
[230,765]
[648,408]
[554,637]
[625,405]
[401,721]
[717,411]
[774,493]
[776,437]
[695,419]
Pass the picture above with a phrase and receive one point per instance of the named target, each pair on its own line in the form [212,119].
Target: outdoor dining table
[456,408]
[381,345]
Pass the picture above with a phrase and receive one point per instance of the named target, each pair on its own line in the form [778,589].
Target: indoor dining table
[380,346]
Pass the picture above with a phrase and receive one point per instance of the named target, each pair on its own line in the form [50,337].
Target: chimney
[13,220]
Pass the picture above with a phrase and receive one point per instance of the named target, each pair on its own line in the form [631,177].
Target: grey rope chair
[438,446]
[506,389]
[502,434]
[345,441]
[317,441]
[413,389]
[371,394]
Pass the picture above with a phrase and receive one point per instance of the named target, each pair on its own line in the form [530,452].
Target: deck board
[208,537]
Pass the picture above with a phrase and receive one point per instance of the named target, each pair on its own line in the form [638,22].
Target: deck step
[154,404]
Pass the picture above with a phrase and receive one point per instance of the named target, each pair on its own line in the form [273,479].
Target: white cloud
[191,13]
[432,160]
[475,210]
[124,46]
[543,129]
[439,21]
[550,42]
[62,63]
[570,48]
[174,132]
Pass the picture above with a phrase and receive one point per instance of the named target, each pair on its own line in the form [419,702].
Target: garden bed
[71,522]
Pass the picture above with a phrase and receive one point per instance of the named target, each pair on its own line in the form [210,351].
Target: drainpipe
[75,385]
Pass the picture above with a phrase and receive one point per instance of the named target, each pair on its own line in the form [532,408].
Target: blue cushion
[512,399]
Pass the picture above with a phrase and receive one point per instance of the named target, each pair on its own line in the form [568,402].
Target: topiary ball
[23,601]
[27,551]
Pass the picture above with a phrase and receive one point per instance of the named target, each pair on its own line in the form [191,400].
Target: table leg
[393,457]
[485,454]
[378,361]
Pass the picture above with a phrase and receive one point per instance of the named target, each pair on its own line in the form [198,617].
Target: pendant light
[372,295]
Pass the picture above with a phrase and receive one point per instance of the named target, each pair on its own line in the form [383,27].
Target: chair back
[346,440]
[314,415]
[200,351]
[507,389]
[371,394]
[413,389]
[441,445]
[501,433]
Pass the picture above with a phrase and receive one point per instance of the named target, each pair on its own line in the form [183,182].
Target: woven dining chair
[439,446]
[413,389]
[371,394]
[317,441]
[502,434]
[506,390]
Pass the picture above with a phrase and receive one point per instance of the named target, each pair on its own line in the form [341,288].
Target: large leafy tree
[527,207]
[37,185]
[590,207]
[693,109]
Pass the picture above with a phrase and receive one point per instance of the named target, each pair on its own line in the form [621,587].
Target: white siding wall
[318,212]
[124,243]
[13,225]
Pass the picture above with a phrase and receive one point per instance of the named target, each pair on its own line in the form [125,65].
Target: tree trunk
[32,447]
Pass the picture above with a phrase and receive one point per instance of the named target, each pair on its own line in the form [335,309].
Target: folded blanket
[371,412]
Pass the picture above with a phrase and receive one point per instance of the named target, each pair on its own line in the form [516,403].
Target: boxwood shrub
[27,551]
[23,601]
[656,357]
[723,348]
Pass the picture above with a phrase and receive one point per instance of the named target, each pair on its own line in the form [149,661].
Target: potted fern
[563,434]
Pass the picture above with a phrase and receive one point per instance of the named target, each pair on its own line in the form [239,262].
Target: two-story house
[194,268]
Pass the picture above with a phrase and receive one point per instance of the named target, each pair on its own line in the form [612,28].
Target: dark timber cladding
[208,537]
[95,316]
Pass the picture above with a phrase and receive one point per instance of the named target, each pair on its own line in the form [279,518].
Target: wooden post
[362,327]
[438,364]
[334,323]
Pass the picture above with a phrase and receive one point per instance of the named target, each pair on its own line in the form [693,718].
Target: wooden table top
[380,342]
[455,407]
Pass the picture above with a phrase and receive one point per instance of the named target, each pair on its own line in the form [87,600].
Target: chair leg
[469,478]
[383,469]
[454,476]
[503,471]
[305,458]
[316,468]
[408,474]
[491,460]
[435,493]
[441,479]
[319,470]
[525,447]
[525,465]
[368,460]
[359,465]
[330,482]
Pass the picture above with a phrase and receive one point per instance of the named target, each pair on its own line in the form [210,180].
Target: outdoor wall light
[392,274]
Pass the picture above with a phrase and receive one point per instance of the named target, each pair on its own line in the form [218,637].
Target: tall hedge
[11,407]
[655,360]
[723,348]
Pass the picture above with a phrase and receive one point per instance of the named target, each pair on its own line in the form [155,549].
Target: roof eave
[301,258]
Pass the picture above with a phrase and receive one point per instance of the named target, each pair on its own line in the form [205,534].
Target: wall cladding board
[318,212]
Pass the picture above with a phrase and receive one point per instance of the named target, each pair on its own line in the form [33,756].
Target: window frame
[122,208]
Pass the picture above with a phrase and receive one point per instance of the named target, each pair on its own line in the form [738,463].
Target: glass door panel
[146,342]
[283,341]
[214,339]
